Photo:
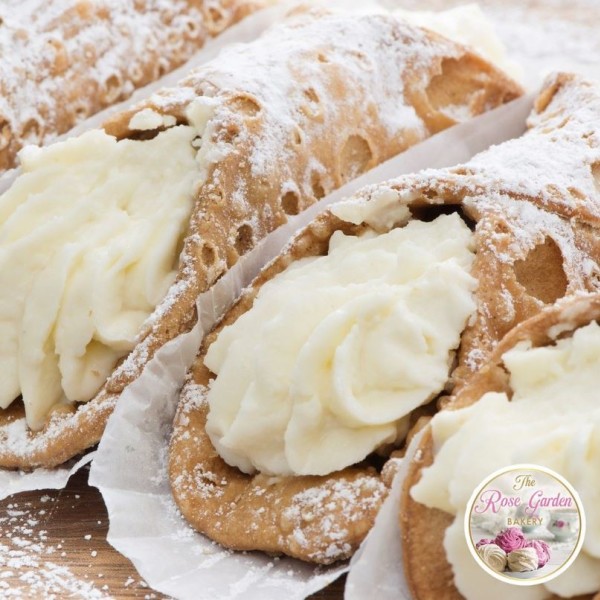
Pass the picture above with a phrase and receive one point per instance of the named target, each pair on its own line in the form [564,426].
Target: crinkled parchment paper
[13,482]
[130,467]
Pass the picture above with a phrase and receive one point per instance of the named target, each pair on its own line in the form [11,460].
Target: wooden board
[54,542]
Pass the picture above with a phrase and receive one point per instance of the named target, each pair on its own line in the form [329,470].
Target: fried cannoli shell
[65,61]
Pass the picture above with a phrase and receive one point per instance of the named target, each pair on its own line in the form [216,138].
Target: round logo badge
[525,525]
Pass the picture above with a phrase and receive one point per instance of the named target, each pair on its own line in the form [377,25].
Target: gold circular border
[534,580]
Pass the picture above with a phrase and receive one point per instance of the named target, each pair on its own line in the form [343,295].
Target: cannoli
[65,61]
[539,385]
[342,343]
[118,231]
[555,167]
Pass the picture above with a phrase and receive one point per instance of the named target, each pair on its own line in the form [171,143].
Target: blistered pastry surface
[64,61]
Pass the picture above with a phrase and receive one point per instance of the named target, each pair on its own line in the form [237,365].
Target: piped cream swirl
[338,350]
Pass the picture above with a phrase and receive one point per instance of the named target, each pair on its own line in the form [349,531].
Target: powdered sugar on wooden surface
[13,482]
[26,554]
[52,546]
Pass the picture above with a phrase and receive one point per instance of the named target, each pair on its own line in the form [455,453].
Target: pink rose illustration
[559,523]
[542,549]
[510,539]
[483,542]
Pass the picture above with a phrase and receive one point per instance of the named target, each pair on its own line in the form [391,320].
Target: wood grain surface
[53,545]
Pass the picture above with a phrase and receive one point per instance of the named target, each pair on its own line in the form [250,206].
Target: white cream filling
[553,420]
[89,240]
[338,350]
[148,119]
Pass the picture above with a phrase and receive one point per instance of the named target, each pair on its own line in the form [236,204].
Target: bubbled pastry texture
[64,60]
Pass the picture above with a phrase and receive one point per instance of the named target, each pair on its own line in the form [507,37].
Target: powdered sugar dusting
[335,505]
[17,439]
[555,165]
[26,555]
[531,226]
[193,395]
[321,520]
[371,51]
[555,161]
[64,61]
[263,98]
[542,36]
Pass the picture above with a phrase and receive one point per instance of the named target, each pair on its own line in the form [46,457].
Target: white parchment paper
[130,464]
[376,568]
[13,482]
